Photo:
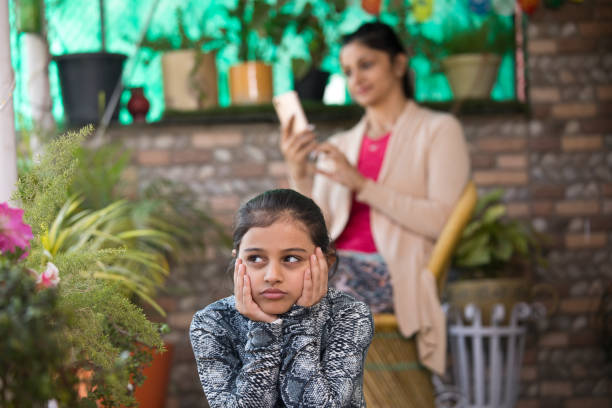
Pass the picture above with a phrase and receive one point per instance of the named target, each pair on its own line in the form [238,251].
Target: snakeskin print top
[313,358]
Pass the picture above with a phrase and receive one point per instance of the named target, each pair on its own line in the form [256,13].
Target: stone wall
[555,164]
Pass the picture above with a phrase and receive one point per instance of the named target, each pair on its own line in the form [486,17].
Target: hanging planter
[88,81]
[250,83]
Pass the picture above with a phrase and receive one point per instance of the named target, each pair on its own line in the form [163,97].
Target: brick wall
[555,164]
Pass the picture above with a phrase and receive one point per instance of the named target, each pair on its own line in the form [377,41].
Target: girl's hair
[274,205]
[380,36]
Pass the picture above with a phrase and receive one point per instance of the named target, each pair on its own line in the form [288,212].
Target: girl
[386,187]
[283,338]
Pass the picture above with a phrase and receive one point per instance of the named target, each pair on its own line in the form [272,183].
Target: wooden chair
[393,376]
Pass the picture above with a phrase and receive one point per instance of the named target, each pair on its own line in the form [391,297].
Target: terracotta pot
[190,80]
[471,76]
[152,393]
[84,386]
[250,83]
[485,293]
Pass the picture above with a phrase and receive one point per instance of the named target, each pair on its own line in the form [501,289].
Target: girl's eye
[347,73]
[254,258]
[292,259]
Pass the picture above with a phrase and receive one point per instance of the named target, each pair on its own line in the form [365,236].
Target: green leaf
[493,213]
[478,257]
[478,241]
[503,250]
[491,197]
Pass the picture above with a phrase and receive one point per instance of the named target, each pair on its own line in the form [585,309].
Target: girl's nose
[273,273]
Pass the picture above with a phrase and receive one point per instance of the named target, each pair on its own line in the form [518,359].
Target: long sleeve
[229,377]
[323,365]
[447,173]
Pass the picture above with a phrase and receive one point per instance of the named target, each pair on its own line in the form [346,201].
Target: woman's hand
[315,280]
[244,300]
[344,172]
[296,148]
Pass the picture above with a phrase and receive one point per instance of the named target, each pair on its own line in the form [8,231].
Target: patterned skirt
[365,277]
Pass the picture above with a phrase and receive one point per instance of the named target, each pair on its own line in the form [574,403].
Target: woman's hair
[282,204]
[381,37]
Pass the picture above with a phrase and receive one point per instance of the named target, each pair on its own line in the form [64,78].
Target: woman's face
[276,258]
[370,73]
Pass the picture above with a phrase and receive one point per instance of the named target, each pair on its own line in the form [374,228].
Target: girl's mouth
[273,293]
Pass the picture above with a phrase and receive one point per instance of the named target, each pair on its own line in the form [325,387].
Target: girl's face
[370,73]
[276,258]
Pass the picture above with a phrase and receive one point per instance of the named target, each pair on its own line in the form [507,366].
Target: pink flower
[50,277]
[14,233]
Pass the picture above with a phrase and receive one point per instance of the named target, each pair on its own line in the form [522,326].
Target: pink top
[357,235]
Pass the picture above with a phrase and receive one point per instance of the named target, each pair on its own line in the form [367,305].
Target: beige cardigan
[424,171]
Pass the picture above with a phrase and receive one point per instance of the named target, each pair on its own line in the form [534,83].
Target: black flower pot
[312,85]
[88,81]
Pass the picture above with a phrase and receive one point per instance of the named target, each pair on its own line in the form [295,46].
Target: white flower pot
[471,76]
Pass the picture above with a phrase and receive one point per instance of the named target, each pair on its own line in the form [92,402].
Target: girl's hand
[315,280]
[344,172]
[296,148]
[244,300]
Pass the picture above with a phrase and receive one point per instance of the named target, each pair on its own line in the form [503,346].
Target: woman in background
[386,187]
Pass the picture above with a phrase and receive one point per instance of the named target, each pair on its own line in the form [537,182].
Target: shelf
[318,112]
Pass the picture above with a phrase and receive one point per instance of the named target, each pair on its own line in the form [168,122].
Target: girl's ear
[234,253]
[331,259]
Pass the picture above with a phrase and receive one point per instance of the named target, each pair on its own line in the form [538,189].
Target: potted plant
[167,223]
[102,332]
[308,78]
[89,79]
[492,258]
[250,80]
[470,55]
[189,66]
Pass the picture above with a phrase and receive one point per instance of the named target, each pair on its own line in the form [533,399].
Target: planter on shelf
[471,76]
[250,83]
[312,85]
[190,80]
[88,81]
[138,105]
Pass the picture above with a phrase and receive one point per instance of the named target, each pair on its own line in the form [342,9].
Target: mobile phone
[288,104]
